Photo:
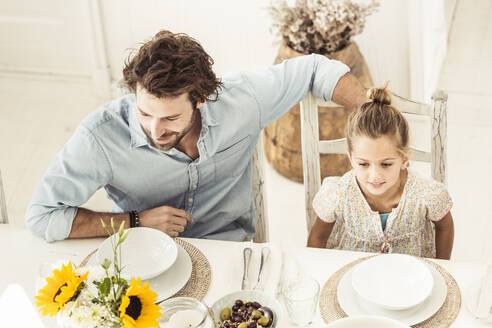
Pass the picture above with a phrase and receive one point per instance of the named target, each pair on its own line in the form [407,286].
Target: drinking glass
[184,312]
[300,299]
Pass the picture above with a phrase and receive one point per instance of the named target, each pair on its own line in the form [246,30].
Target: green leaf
[106,263]
[104,287]
[122,228]
[105,226]
[122,239]
[112,225]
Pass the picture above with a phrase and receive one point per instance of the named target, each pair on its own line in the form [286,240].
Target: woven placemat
[330,308]
[199,282]
[201,273]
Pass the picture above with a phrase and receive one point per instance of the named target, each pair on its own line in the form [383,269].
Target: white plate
[145,253]
[366,321]
[393,281]
[353,305]
[172,280]
[248,296]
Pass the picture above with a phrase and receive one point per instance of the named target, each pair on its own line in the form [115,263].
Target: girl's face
[377,164]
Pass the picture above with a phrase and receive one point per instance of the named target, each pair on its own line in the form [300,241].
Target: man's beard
[176,136]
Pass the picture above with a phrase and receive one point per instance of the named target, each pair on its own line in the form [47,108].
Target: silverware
[265,254]
[246,257]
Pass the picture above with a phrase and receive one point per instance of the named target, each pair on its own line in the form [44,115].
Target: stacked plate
[395,286]
[153,256]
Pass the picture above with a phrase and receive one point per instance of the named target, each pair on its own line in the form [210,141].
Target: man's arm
[349,92]
[87,223]
[277,88]
[168,219]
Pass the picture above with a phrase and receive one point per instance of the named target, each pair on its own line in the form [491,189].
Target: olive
[267,313]
[243,325]
[252,325]
[238,303]
[256,314]
[256,305]
[225,314]
[264,321]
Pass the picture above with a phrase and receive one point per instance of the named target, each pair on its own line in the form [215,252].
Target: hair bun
[380,95]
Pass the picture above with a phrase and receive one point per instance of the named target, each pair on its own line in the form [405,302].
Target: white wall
[55,37]
[45,37]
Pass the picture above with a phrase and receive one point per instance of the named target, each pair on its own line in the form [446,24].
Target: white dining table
[22,254]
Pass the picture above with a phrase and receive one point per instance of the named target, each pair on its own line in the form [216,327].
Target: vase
[282,138]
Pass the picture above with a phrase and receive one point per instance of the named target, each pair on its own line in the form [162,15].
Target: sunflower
[59,289]
[137,309]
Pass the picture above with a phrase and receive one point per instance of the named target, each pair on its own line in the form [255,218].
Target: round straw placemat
[330,308]
[199,282]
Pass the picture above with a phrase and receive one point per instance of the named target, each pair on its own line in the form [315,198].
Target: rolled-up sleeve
[278,88]
[76,173]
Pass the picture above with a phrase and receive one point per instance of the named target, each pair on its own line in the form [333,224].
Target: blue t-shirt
[384,218]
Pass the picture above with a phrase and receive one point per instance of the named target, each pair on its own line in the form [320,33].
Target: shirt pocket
[229,162]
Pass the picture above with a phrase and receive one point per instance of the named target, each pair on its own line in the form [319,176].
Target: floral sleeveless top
[409,228]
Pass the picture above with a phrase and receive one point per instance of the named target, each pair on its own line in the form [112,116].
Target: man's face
[165,120]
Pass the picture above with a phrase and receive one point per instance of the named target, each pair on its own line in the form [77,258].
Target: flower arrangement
[319,26]
[98,296]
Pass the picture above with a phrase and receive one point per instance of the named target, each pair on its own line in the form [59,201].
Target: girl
[380,206]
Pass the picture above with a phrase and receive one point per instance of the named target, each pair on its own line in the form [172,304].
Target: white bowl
[145,253]
[248,296]
[393,281]
[366,321]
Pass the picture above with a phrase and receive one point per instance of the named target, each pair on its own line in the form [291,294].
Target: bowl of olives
[247,309]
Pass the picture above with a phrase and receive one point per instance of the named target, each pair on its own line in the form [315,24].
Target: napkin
[271,268]
[485,293]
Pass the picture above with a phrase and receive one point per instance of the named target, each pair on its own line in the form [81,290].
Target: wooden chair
[262,235]
[3,204]
[312,146]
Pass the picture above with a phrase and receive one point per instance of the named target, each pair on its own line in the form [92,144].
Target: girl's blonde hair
[377,118]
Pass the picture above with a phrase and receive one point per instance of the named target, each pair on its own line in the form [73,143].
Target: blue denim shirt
[110,150]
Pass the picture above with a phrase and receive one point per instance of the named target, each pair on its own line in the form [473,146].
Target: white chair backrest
[312,146]
[261,235]
[3,204]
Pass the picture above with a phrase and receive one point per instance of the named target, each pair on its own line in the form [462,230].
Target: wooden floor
[39,115]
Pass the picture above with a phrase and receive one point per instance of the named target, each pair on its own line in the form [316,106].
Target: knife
[265,253]
[246,257]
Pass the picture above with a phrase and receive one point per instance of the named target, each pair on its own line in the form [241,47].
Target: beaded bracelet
[134,219]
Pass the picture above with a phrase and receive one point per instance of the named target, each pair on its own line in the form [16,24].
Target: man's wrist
[134,219]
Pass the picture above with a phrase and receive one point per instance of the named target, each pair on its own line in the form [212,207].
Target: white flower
[319,26]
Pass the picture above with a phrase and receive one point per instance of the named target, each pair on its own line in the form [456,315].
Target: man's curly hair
[172,64]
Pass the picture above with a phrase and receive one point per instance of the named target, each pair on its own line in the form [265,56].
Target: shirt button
[190,199]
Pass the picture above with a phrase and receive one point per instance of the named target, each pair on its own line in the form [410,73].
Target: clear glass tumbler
[185,312]
[301,299]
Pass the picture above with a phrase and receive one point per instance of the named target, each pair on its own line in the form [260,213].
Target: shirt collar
[207,118]
[138,136]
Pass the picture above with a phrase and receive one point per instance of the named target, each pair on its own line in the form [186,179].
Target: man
[175,155]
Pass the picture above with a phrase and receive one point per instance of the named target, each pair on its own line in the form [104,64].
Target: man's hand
[168,219]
